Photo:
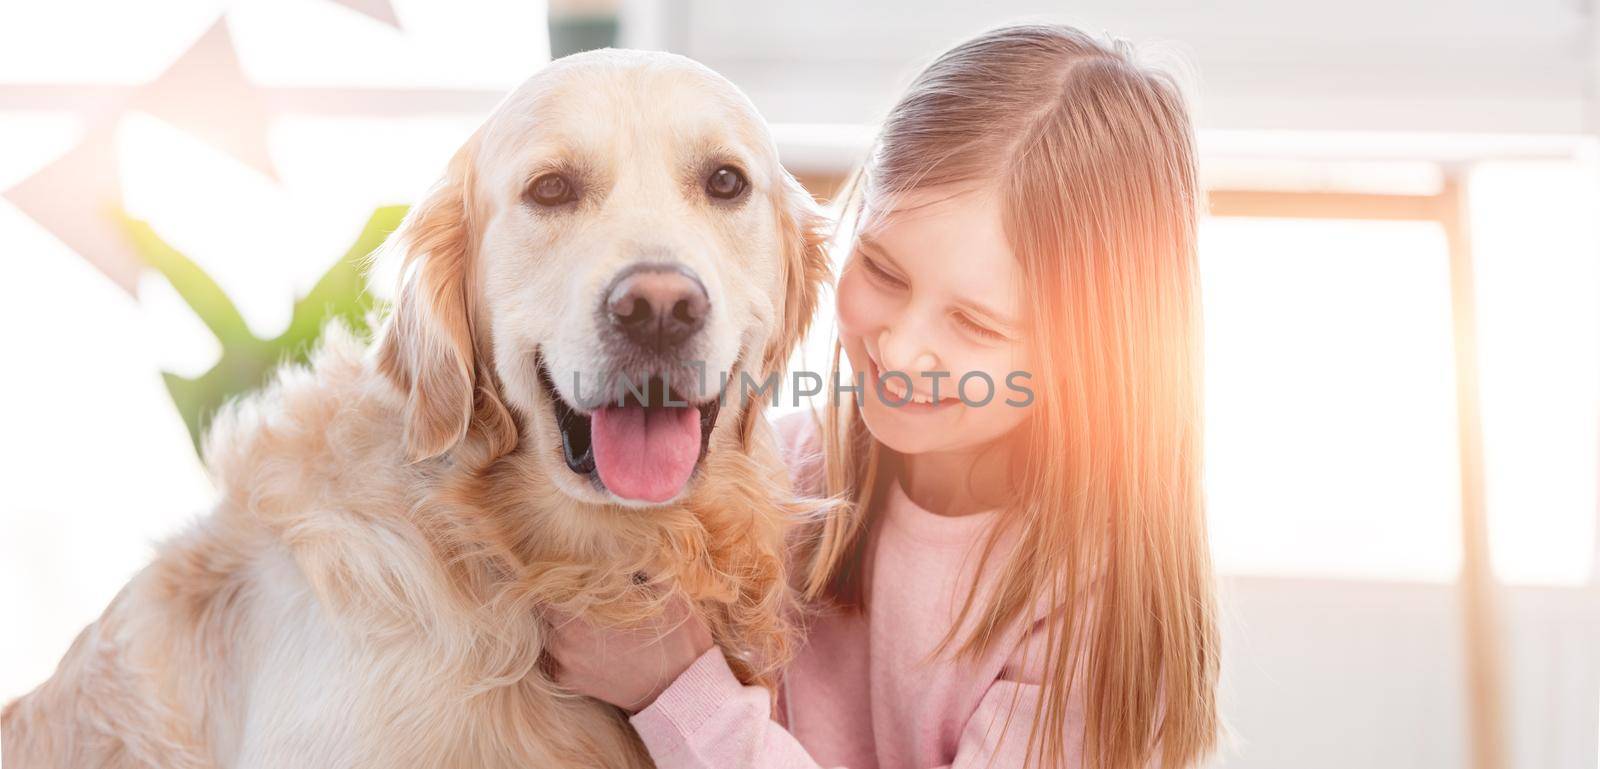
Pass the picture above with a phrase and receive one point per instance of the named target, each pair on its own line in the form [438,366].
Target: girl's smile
[912,402]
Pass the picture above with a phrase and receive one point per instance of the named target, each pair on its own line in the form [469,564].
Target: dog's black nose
[657,306]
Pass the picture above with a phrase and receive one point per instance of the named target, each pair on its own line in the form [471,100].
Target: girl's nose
[904,348]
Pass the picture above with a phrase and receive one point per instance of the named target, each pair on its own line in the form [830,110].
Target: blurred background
[1401,270]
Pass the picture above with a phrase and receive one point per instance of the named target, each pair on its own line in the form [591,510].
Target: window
[1330,400]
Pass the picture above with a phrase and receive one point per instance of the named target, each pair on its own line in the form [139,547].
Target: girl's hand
[628,668]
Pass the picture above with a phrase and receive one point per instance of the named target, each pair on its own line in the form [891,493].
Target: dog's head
[614,247]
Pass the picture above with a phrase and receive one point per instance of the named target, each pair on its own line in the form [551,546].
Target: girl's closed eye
[979,330]
[879,273]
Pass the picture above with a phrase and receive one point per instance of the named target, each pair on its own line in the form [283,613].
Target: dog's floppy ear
[805,233]
[429,348]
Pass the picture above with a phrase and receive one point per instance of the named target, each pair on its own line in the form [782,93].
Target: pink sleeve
[991,740]
[707,720]
[997,732]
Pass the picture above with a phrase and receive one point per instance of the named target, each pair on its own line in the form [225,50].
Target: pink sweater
[861,694]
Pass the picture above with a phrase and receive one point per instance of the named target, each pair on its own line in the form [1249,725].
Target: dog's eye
[726,183]
[551,190]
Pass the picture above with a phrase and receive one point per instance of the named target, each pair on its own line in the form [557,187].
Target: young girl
[1022,582]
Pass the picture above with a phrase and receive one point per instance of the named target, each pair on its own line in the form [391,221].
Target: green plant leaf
[197,289]
[247,362]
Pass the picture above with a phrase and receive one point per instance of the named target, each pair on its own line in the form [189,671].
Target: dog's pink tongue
[645,453]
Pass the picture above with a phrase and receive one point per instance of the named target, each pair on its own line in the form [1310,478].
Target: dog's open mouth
[643,445]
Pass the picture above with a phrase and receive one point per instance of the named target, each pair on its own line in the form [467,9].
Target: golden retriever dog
[397,526]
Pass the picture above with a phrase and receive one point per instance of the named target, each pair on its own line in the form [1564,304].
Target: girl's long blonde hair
[1093,155]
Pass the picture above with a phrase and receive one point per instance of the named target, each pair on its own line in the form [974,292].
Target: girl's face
[931,290]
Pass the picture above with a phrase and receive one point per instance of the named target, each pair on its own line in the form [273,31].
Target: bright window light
[1330,399]
[1537,253]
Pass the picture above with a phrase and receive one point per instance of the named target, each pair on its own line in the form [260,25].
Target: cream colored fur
[394,522]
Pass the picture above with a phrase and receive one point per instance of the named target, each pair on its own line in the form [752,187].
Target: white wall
[1520,65]
[1333,674]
